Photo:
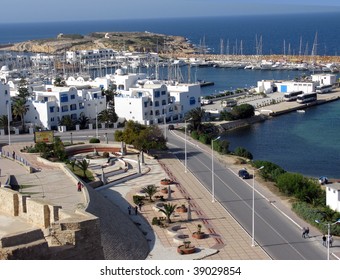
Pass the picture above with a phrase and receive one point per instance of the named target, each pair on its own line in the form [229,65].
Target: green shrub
[106,154]
[195,135]
[270,172]
[205,138]
[137,199]
[94,140]
[242,152]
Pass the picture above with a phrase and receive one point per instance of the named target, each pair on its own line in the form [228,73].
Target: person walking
[307,232]
[324,240]
[129,210]
[79,186]
[140,204]
[330,240]
[303,232]
[136,210]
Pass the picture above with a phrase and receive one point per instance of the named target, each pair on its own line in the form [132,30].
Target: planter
[181,209]
[184,250]
[164,190]
[198,235]
[166,182]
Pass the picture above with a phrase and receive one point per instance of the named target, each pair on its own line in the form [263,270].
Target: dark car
[243,174]
[171,127]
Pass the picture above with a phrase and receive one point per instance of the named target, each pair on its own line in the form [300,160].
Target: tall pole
[96,119]
[328,239]
[8,122]
[212,170]
[185,146]
[253,210]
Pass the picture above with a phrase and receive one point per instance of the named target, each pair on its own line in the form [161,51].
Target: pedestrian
[0,172]
[136,210]
[304,232]
[79,186]
[324,240]
[140,204]
[330,240]
[129,210]
[13,155]
[307,232]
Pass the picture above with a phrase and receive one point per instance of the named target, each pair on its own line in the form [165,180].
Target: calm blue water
[306,143]
[274,30]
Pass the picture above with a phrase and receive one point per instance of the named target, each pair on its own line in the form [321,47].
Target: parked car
[243,173]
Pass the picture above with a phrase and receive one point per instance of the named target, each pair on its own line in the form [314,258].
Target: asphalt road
[274,232]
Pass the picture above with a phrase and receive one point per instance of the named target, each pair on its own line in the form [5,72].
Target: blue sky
[75,10]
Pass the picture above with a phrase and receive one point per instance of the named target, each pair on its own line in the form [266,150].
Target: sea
[305,143]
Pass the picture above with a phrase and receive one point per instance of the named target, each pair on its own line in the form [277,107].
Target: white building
[333,196]
[152,101]
[324,79]
[285,86]
[5,98]
[48,106]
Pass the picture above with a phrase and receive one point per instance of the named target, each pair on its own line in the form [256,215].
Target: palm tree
[20,109]
[68,122]
[83,121]
[108,116]
[150,190]
[168,209]
[83,165]
[4,122]
[59,82]
[195,117]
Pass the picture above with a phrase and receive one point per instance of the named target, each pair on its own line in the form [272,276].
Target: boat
[301,111]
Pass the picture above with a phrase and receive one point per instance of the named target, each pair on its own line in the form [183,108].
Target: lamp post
[185,146]
[107,140]
[253,210]
[96,119]
[328,224]
[212,169]
[8,122]
[71,138]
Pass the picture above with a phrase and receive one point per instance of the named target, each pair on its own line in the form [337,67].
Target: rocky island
[127,41]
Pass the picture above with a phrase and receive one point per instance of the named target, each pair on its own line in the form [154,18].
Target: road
[274,232]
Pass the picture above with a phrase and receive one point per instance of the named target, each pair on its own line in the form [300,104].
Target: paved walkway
[225,237]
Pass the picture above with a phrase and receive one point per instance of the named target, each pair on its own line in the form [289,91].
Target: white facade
[5,98]
[324,79]
[285,86]
[47,107]
[152,101]
[333,196]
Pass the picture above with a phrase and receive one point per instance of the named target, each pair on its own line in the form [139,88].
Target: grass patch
[79,173]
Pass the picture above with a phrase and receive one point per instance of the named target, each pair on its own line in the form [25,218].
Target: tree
[23,91]
[242,152]
[243,111]
[108,116]
[59,82]
[151,137]
[4,122]
[68,122]
[168,209]
[83,121]
[195,117]
[150,190]
[20,109]
[83,165]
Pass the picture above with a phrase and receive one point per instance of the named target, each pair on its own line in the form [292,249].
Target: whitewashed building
[324,79]
[5,108]
[333,196]
[47,106]
[152,101]
[268,87]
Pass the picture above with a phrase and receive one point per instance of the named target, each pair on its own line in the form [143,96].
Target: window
[73,116]
[45,98]
[72,96]
[192,100]
[64,98]
[52,119]
[145,104]
[156,103]
[157,94]
[5,91]
[51,109]
[73,107]
[163,92]
[163,102]
[95,95]
[81,105]
[64,108]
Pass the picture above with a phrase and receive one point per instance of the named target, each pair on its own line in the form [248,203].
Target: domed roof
[4,68]
[119,72]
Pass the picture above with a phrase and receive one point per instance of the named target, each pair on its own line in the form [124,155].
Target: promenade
[225,238]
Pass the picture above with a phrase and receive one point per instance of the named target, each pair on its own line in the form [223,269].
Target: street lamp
[71,138]
[328,224]
[107,140]
[185,145]
[212,169]
[8,122]
[253,210]
[96,119]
